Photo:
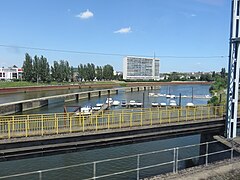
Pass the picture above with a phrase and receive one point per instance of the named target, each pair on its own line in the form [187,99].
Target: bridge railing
[136,166]
[59,123]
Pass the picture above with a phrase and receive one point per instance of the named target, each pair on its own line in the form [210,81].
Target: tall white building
[140,68]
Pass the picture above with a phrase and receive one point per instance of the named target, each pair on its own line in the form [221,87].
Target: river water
[57,105]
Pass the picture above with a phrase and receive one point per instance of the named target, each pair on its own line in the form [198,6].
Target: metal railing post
[9,129]
[94,170]
[138,166]
[26,128]
[176,168]
[231,153]
[70,124]
[42,124]
[206,155]
[169,116]
[96,124]
[108,121]
[120,121]
[131,119]
[83,123]
[40,175]
[174,160]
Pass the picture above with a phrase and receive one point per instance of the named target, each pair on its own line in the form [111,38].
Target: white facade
[140,68]
[10,73]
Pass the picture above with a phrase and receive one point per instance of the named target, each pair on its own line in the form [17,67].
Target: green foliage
[36,70]
[107,72]
[214,100]
[27,68]
[218,85]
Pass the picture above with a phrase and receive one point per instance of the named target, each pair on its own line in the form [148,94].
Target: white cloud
[193,15]
[123,30]
[85,15]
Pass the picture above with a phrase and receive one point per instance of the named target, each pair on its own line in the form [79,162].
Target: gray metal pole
[233,73]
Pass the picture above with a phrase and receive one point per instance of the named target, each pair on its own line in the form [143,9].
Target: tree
[108,72]
[223,73]
[44,70]
[27,68]
[99,73]
[36,69]
[72,73]
[80,72]
[55,71]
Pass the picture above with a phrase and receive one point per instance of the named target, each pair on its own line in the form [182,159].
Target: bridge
[43,134]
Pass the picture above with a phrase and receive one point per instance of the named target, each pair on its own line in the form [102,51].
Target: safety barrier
[136,166]
[59,123]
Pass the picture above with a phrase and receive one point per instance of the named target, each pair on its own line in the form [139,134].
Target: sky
[187,35]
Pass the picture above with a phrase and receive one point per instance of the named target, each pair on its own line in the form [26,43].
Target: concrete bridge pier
[77,97]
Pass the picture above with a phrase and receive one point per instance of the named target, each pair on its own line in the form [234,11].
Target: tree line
[37,69]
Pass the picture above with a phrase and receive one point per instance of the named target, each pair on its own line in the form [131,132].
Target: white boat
[151,94]
[109,101]
[172,103]
[163,104]
[155,104]
[85,111]
[99,104]
[168,96]
[116,103]
[132,103]
[139,104]
[190,104]
[172,96]
[96,108]
[124,103]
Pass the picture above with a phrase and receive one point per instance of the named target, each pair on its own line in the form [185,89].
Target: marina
[141,97]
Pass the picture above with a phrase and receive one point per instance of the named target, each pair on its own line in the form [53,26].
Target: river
[57,105]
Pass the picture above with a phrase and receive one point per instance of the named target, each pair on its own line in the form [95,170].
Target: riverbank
[24,89]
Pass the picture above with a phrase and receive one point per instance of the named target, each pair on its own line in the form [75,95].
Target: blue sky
[176,28]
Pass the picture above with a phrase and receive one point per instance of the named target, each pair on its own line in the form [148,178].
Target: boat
[139,104]
[172,96]
[190,104]
[115,103]
[155,104]
[168,96]
[99,105]
[109,101]
[132,103]
[163,104]
[124,103]
[96,108]
[87,110]
[173,103]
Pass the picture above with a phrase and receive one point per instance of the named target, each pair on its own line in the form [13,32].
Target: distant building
[10,73]
[140,68]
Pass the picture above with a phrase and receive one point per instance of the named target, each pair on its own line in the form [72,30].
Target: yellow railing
[59,123]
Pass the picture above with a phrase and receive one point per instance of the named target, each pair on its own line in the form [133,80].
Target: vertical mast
[233,73]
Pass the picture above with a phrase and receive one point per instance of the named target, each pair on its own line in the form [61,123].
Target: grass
[7,84]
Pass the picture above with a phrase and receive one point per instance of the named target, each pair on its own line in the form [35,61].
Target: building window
[3,74]
[0,74]
[14,75]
